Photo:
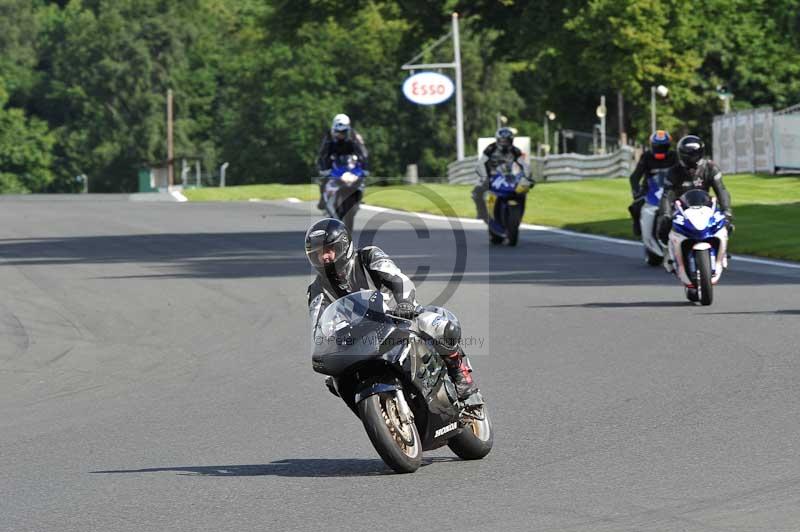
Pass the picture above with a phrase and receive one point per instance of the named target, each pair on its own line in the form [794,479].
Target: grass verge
[767,208]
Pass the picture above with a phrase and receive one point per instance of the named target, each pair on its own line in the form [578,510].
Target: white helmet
[340,124]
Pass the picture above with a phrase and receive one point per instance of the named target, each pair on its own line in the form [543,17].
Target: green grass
[244,193]
[767,208]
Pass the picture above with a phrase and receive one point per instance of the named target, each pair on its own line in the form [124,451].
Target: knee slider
[452,334]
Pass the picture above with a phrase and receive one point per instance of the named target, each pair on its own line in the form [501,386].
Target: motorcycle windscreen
[350,330]
[696,198]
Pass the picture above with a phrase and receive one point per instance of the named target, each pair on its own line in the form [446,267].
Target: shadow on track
[428,253]
[290,467]
[785,312]
[619,304]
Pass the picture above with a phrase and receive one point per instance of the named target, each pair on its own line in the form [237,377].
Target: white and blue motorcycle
[698,244]
[654,250]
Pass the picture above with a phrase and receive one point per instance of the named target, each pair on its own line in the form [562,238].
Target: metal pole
[184,171]
[727,104]
[170,168]
[222,174]
[603,126]
[545,149]
[197,172]
[459,101]
[623,137]
[653,109]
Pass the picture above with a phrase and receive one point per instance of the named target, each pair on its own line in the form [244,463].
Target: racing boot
[461,373]
[480,206]
[668,263]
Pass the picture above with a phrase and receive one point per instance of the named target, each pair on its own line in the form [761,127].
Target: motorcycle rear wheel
[397,442]
[477,438]
[652,259]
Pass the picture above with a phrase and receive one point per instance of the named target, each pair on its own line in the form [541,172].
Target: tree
[25,150]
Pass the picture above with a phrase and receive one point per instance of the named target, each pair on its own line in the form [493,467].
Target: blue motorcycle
[344,189]
[698,244]
[505,203]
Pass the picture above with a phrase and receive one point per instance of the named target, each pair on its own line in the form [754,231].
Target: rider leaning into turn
[693,171]
[501,151]
[342,269]
[658,158]
[341,140]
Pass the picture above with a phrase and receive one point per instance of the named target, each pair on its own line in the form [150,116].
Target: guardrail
[463,171]
[565,167]
[572,166]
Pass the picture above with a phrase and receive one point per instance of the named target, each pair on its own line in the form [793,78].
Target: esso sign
[428,88]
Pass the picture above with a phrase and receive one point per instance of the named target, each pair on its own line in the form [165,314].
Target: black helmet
[329,248]
[690,151]
[504,137]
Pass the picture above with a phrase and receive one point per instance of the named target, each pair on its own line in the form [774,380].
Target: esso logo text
[428,88]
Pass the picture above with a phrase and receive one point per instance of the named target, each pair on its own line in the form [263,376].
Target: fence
[743,141]
[786,130]
[565,167]
[757,140]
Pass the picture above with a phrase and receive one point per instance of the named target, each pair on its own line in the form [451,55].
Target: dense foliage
[256,82]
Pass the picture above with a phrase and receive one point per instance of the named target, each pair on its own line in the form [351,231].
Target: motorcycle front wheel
[396,441]
[513,219]
[705,289]
[477,438]
[347,210]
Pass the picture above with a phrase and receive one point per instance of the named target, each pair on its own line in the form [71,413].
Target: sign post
[456,65]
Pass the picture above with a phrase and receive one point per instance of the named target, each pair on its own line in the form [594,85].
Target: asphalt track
[155,376]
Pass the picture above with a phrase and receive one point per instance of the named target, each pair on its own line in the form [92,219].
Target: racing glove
[729,221]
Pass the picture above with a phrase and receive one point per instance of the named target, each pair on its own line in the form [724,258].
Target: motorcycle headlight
[332,326]
[349,178]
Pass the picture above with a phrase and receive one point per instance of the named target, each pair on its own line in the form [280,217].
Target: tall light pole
[548,116]
[501,120]
[459,97]
[662,91]
[170,152]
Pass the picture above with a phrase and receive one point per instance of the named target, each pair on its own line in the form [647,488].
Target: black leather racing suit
[372,269]
[490,160]
[330,149]
[705,176]
[646,167]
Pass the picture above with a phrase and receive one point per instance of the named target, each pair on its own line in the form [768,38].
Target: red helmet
[660,142]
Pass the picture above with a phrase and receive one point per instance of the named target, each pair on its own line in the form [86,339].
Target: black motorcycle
[395,382]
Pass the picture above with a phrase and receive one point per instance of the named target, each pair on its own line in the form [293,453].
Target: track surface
[155,376]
